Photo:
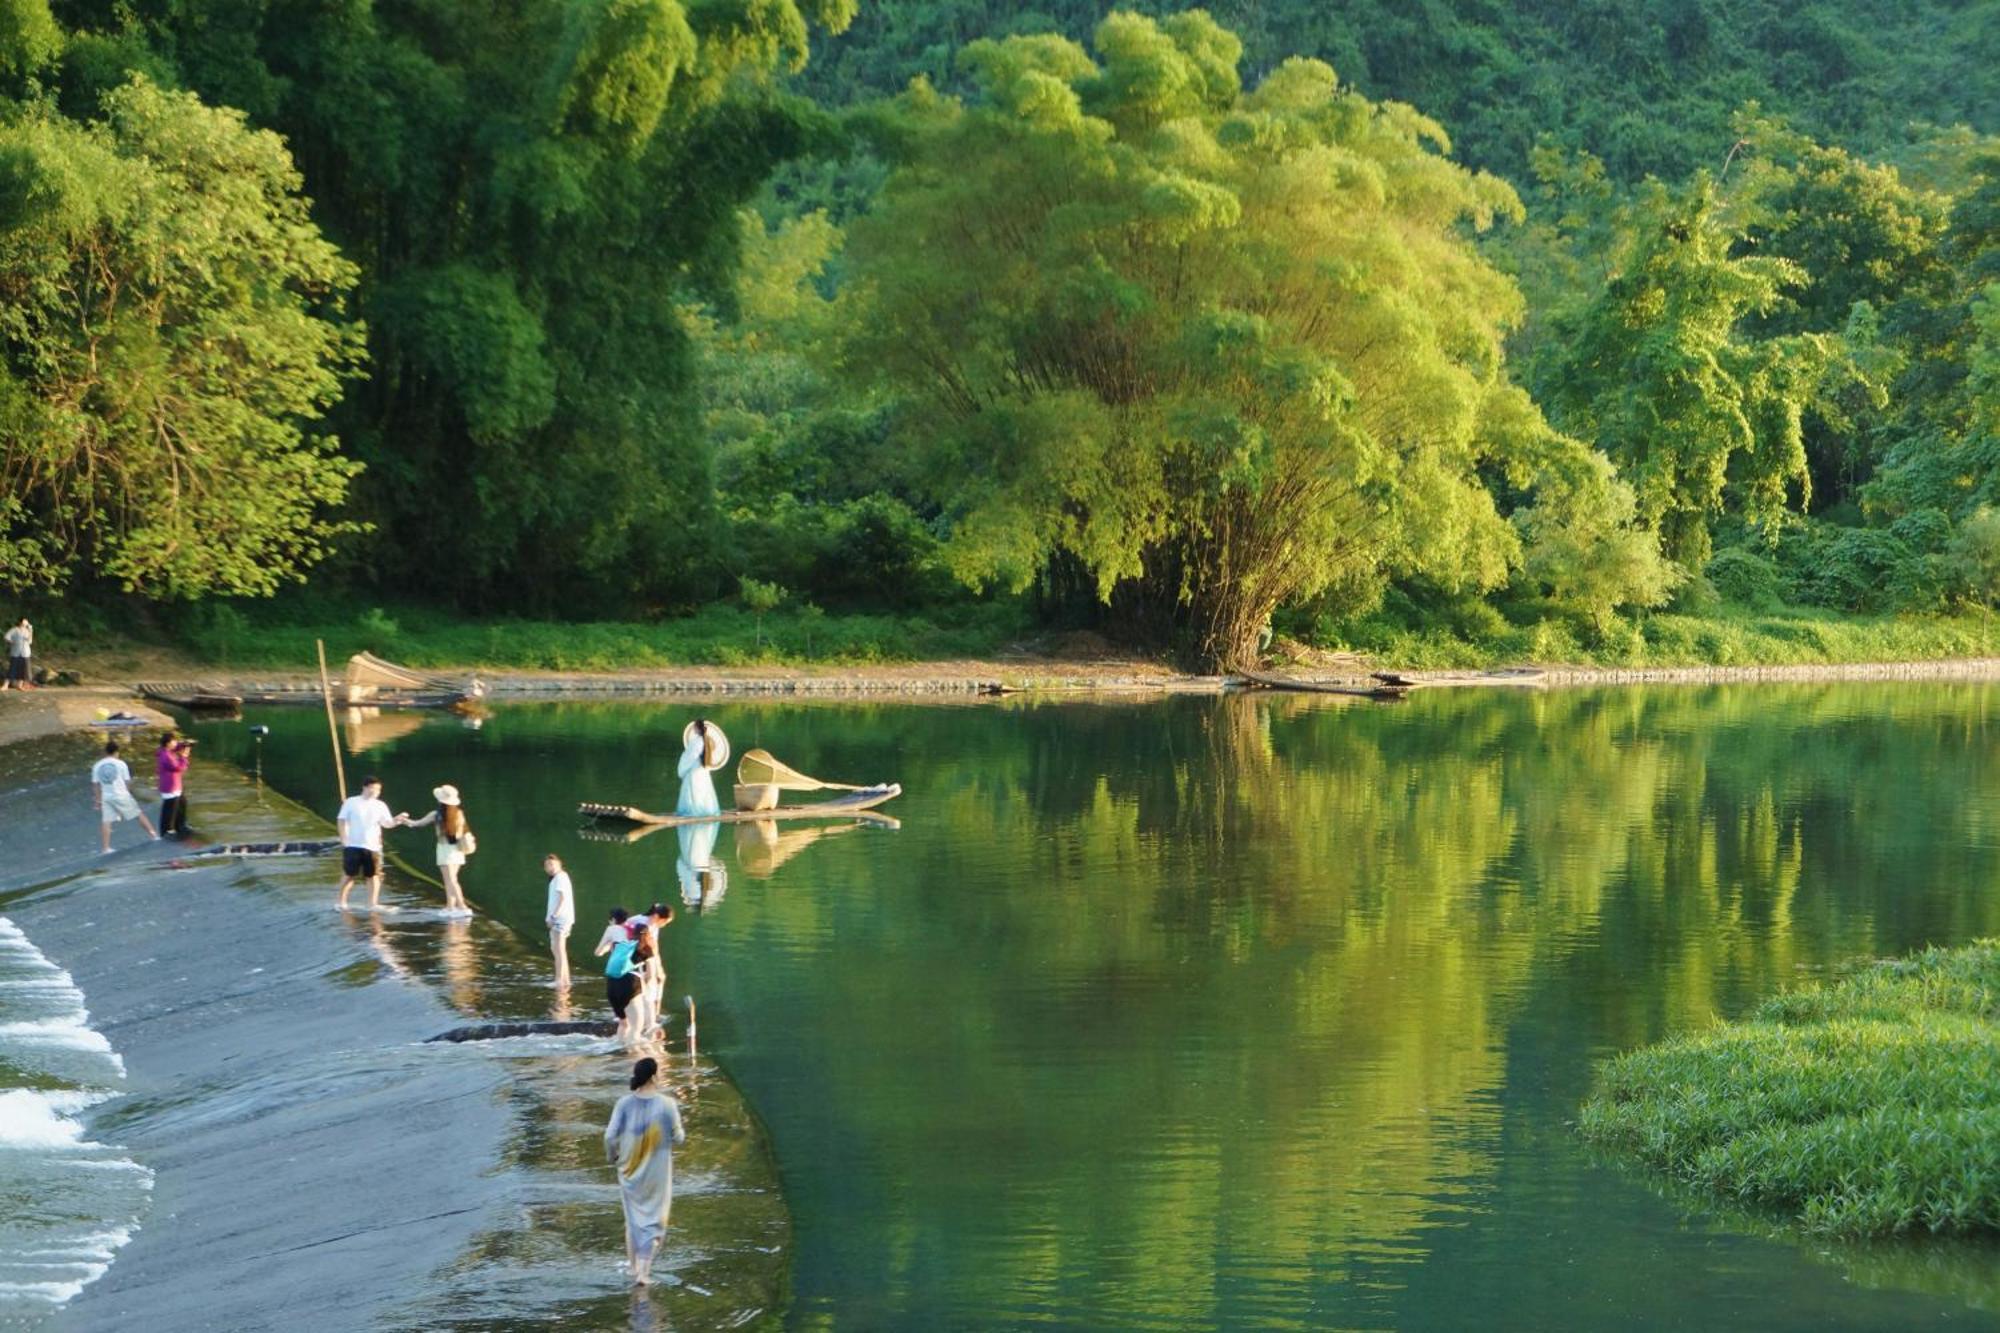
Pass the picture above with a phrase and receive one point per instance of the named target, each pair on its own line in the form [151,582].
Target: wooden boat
[852,805]
[1387,689]
[374,683]
[193,698]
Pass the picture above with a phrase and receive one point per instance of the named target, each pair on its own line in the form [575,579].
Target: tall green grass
[1870,1107]
[718,635]
[1476,636]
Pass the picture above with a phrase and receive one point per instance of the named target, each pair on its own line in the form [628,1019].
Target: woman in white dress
[645,1128]
[703,749]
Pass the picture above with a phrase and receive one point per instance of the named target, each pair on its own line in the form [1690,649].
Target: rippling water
[1257,1011]
[67,1204]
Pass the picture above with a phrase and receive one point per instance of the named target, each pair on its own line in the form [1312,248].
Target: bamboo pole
[332,732]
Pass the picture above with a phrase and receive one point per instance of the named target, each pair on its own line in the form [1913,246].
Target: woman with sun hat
[703,750]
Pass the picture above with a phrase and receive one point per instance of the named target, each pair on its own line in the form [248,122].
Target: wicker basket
[757,795]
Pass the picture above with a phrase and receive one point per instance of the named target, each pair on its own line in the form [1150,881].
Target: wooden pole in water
[332,732]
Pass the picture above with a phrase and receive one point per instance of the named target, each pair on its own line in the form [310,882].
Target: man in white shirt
[20,656]
[109,789]
[362,819]
[561,915]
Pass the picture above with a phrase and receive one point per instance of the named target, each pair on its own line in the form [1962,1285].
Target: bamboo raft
[858,804]
[193,698]
[1388,687]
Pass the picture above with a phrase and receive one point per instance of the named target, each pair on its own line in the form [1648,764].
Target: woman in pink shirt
[170,765]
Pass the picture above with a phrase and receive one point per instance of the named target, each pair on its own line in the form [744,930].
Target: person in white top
[560,916]
[362,819]
[110,791]
[20,656]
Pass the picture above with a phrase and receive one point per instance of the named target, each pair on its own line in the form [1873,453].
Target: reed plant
[1867,1107]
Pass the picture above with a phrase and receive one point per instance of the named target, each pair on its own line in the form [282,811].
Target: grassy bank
[718,635]
[279,636]
[1870,1107]
[1477,636]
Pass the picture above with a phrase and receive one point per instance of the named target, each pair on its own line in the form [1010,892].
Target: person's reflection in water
[703,880]
[384,945]
[458,960]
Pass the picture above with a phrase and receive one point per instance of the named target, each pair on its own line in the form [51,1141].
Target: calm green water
[1259,1012]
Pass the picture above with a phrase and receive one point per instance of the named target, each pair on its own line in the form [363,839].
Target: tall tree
[1661,372]
[1223,349]
[531,189]
[170,330]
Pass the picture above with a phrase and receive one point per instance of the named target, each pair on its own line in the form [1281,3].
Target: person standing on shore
[362,819]
[170,766]
[560,916]
[644,1130]
[454,843]
[111,791]
[20,656]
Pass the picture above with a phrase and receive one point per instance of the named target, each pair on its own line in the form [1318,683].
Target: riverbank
[51,711]
[316,1163]
[1860,1109]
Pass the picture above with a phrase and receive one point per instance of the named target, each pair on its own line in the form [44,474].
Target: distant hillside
[1648,85]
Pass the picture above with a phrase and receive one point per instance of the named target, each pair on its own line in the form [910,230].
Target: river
[1254,1011]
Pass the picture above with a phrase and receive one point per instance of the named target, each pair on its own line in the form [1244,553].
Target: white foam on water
[32,1119]
[47,1257]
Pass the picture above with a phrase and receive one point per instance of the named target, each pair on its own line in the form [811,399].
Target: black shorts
[619,990]
[360,863]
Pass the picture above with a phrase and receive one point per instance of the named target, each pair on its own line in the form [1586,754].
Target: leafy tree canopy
[1223,348]
[170,326]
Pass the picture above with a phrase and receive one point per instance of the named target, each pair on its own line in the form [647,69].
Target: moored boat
[193,698]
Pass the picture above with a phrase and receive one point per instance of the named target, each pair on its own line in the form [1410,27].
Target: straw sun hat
[721,745]
[446,795]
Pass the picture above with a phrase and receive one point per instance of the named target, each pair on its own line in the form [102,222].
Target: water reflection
[703,879]
[366,729]
[1270,1009]
[762,846]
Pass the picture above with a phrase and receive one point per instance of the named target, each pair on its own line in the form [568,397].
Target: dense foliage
[1224,349]
[167,326]
[1649,86]
[588,307]
[1865,1108]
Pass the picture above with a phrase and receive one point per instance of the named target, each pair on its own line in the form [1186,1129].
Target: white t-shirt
[362,819]
[562,901]
[20,642]
[111,774]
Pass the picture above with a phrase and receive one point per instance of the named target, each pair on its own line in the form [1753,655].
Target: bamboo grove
[1175,323]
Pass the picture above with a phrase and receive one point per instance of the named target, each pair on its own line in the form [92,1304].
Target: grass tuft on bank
[1869,1107]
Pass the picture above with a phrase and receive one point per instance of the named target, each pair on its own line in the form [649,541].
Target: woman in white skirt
[703,749]
[454,843]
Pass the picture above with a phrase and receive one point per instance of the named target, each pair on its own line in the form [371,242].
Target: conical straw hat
[720,746]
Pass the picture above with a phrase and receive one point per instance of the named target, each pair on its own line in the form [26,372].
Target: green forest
[1448,329]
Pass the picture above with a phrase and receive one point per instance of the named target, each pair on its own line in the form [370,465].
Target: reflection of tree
[1367,896]
[1148,999]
